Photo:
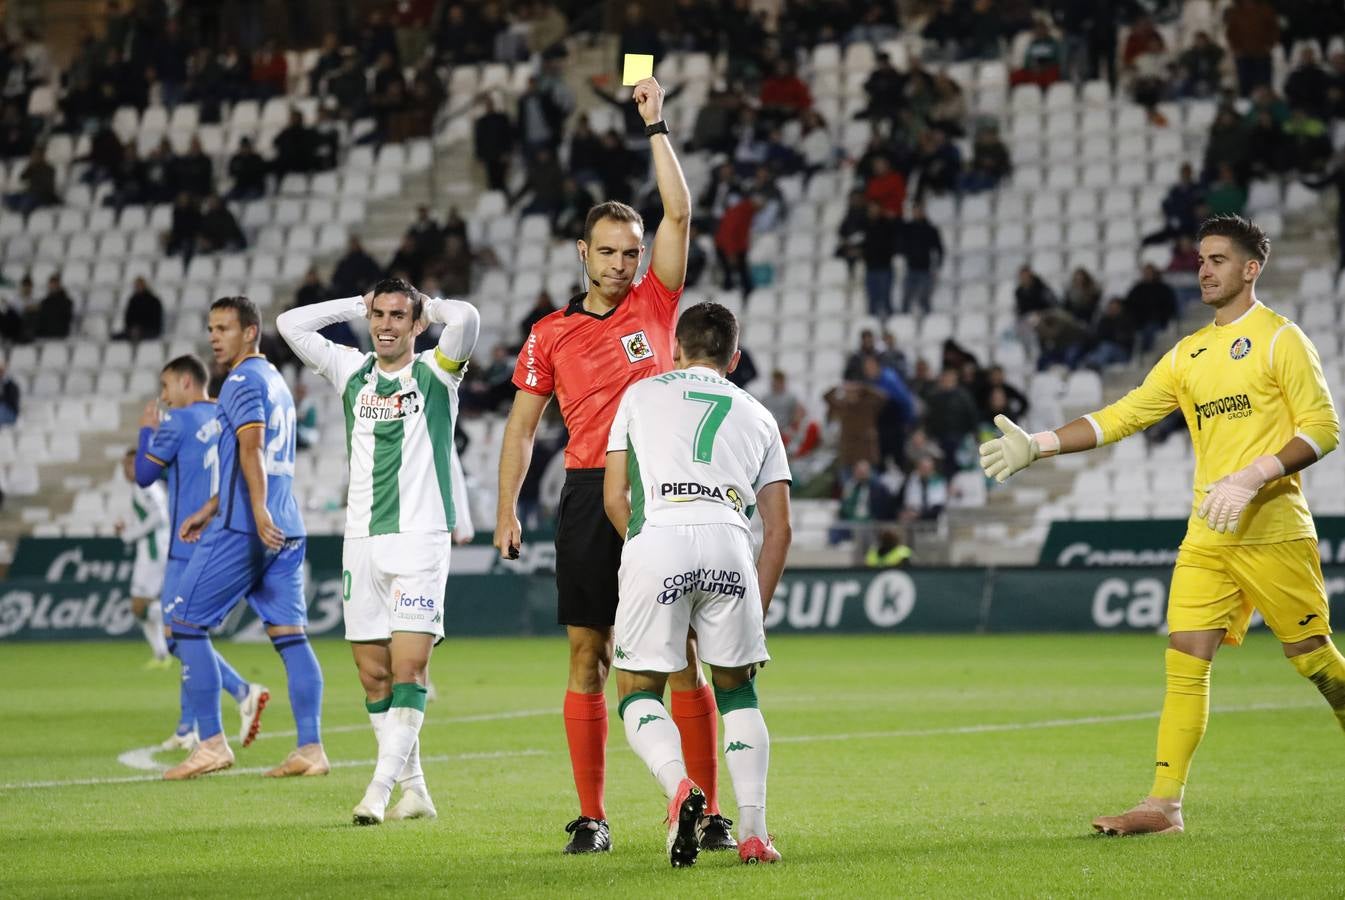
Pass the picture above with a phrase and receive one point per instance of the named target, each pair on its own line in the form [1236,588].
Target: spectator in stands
[407,263]
[919,446]
[1061,338]
[1227,143]
[493,136]
[1113,337]
[293,148]
[951,418]
[746,371]
[1042,59]
[574,204]
[1179,208]
[1185,256]
[1226,195]
[896,414]
[938,163]
[545,185]
[1014,403]
[39,184]
[1307,85]
[16,137]
[890,550]
[12,327]
[247,168]
[854,406]
[784,96]
[1307,145]
[270,72]
[854,363]
[1200,67]
[426,234]
[9,397]
[542,307]
[168,60]
[924,494]
[713,128]
[923,381]
[541,119]
[454,268]
[890,355]
[989,162]
[1145,67]
[1081,295]
[128,180]
[193,171]
[632,126]
[306,432]
[1335,177]
[882,231]
[1032,294]
[355,272]
[865,498]
[494,387]
[1252,28]
[887,188]
[733,240]
[1335,88]
[348,86]
[186,226]
[143,319]
[219,229]
[56,312]
[105,154]
[311,289]
[922,247]
[158,175]
[948,112]
[1152,304]
[782,403]
[206,84]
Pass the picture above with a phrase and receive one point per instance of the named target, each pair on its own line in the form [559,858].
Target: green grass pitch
[901,766]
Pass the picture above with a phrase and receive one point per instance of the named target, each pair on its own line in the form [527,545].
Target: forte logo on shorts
[381,409]
[1240,348]
[687,491]
[707,581]
[1235,406]
[406,601]
[636,346]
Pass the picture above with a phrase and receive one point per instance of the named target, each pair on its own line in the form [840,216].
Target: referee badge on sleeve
[636,346]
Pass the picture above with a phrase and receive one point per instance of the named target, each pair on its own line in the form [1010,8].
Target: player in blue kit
[252,543]
[181,449]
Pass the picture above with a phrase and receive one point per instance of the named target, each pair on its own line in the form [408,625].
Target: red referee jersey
[588,361]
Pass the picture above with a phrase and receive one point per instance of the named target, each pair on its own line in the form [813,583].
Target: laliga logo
[406,601]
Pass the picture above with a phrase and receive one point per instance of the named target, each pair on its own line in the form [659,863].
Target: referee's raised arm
[671,240]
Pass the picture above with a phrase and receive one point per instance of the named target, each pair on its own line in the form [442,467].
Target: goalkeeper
[1250,386]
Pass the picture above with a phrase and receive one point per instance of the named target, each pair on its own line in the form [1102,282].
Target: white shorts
[394,582]
[688,576]
[147,576]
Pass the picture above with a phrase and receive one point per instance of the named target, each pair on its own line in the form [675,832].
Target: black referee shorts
[588,553]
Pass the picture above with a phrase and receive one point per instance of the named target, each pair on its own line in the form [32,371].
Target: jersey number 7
[715,413]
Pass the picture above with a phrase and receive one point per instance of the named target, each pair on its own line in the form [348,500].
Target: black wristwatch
[659,127]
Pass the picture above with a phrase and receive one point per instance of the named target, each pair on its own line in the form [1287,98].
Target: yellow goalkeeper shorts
[1220,588]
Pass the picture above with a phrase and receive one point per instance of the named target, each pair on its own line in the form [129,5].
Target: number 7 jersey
[255,395]
[698,448]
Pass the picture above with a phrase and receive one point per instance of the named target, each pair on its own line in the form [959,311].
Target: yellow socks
[1325,667]
[1186,709]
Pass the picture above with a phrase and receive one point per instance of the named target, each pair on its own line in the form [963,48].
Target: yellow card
[638,66]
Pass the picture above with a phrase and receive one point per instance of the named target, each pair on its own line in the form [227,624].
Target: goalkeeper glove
[1016,450]
[1228,497]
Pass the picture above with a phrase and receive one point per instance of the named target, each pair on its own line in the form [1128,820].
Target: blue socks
[305,684]
[185,720]
[200,677]
[231,681]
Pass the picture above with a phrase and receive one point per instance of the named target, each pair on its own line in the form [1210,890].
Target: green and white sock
[654,738]
[413,776]
[397,736]
[747,750]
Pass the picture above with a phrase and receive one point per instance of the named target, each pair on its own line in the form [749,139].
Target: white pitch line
[987,728]
[258,770]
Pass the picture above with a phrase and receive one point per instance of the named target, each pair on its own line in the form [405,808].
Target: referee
[616,333]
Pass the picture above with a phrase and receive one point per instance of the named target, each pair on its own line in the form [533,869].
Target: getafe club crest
[1241,347]
[636,346]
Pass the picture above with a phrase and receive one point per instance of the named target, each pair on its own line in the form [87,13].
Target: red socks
[696,717]
[586,731]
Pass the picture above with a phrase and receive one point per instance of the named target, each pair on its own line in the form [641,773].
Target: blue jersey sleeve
[157,449]
[242,401]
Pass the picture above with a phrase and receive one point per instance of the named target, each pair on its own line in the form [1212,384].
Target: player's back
[193,474]
[254,395]
[697,447]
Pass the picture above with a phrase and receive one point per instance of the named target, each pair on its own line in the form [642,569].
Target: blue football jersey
[255,395]
[186,446]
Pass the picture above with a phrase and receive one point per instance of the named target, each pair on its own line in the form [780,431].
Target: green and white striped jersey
[698,449]
[148,531]
[399,428]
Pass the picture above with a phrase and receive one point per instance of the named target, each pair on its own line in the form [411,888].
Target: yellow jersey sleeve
[1298,370]
[1155,398]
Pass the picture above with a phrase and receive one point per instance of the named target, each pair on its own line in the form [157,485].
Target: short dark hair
[188,364]
[610,209]
[246,309]
[708,331]
[400,286]
[1245,234]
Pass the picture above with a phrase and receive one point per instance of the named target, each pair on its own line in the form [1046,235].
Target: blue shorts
[230,564]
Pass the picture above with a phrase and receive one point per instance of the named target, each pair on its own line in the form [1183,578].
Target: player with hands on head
[403,505]
[615,333]
[1251,389]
